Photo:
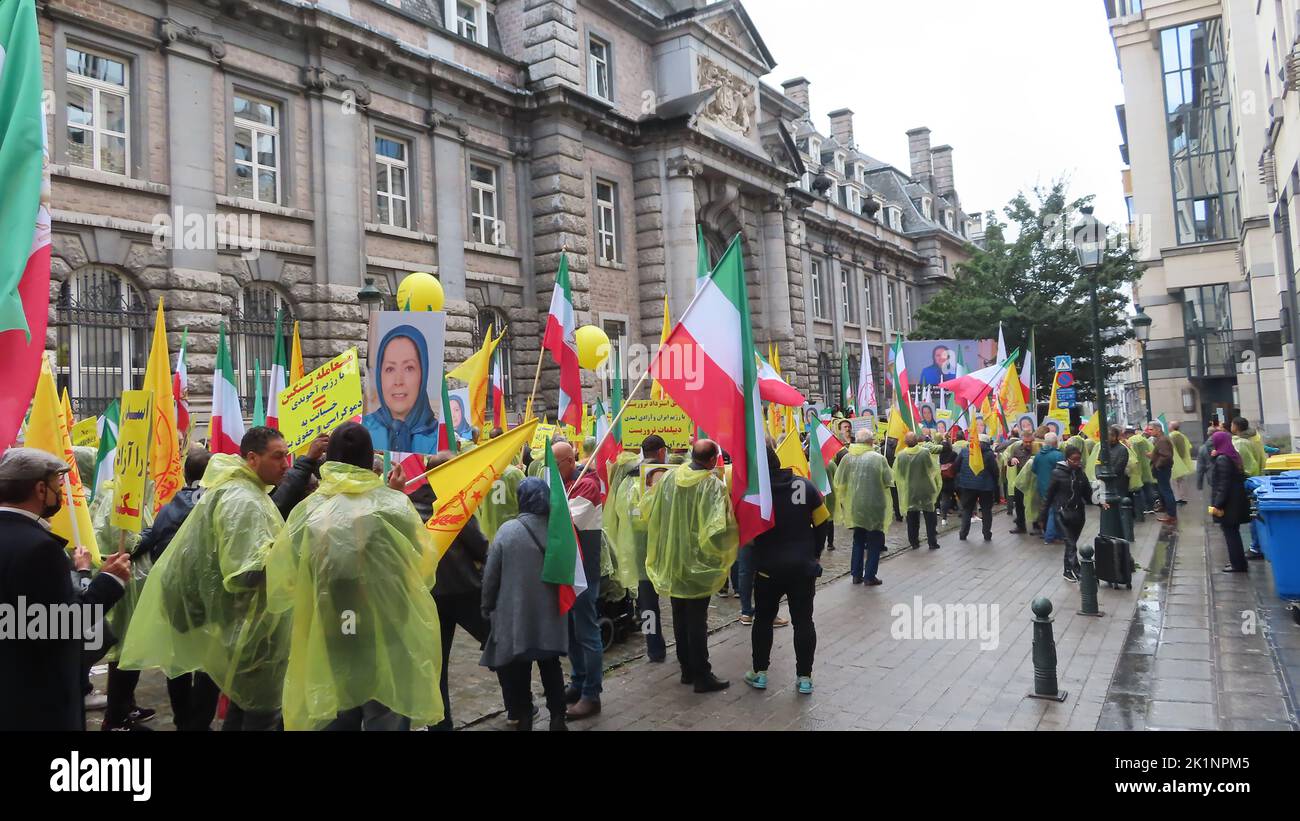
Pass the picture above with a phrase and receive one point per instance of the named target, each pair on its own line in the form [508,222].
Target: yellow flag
[897,427]
[165,444]
[296,371]
[656,392]
[1093,429]
[476,371]
[1012,394]
[791,454]
[992,424]
[47,430]
[462,484]
[67,410]
[976,452]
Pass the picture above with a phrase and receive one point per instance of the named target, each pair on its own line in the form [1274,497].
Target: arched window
[252,339]
[824,377]
[498,321]
[103,329]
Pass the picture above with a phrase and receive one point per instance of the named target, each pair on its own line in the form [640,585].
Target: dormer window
[468,18]
[839,163]
[947,219]
[927,208]
[894,218]
[815,149]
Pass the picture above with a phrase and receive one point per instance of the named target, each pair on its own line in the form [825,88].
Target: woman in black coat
[1228,498]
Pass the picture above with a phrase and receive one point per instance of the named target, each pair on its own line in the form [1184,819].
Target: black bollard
[1044,653]
[1088,582]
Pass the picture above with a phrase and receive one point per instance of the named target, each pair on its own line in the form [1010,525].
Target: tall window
[98,109]
[1207,321]
[257,149]
[891,307]
[927,208]
[847,308]
[598,75]
[907,306]
[392,200]
[468,24]
[617,333]
[252,339]
[103,327]
[1198,117]
[818,291]
[607,221]
[504,351]
[484,224]
[868,312]
[824,379]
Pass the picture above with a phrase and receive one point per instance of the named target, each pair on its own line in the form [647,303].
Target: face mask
[49,510]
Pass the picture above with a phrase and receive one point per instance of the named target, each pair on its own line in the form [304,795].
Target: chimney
[842,127]
[796,91]
[918,146]
[943,181]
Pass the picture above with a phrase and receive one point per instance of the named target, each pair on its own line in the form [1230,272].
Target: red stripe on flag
[22,358]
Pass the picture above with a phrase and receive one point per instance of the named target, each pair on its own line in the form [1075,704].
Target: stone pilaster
[551,43]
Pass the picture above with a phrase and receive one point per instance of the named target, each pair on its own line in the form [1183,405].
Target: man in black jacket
[194,695]
[787,562]
[977,488]
[41,678]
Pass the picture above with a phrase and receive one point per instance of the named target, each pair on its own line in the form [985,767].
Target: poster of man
[935,360]
[844,430]
[404,385]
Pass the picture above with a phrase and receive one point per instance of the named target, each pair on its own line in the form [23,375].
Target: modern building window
[848,312]
[1207,322]
[468,19]
[818,291]
[98,109]
[392,196]
[607,221]
[505,349]
[252,339]
[257,149]
[484,217]
[103,324]
[598,69]
[1198,117]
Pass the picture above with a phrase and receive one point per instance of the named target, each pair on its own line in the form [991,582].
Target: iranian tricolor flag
[971,390]
[107,453]
[772,388]
[446,435]
[1027,376]
[560,340]
[412,466]
[723,398]
[562,565]
[279,369]
[827,443]
[902,391]
[499,395]
[24,215]
[181,389]
[607,448]
[226,427]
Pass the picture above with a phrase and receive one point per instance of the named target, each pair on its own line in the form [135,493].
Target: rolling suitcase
[1114,561]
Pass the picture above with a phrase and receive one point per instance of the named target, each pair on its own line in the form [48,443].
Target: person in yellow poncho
[352,570]
[625,527]
[691,543]
[121,713]
[1184,462]
[864,503]
[501,503]
[1015,459]
[1248,443]
[204,603]
[916,475]
[1146,492]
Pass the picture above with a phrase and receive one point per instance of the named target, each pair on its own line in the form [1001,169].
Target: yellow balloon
[593,346]
[419,291]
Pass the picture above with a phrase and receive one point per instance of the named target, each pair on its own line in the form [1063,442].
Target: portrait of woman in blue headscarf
[459,418]
[404,420]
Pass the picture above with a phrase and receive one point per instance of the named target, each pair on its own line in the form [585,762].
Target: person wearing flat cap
[40,666]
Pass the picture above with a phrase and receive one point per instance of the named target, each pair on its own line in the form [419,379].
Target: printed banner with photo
[1026,423]
[403,391]
[932,361]
[460,414]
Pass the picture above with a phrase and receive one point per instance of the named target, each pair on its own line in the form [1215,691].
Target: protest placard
[321,401]
[131,465]
[86,433]
[544,431]
[642,417]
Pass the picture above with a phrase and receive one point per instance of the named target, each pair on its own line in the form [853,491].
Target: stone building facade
[239,157]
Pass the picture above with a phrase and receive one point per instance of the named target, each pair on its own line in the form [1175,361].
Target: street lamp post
[1089,237]
[1142,330]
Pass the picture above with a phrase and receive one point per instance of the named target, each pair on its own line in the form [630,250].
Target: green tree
[1034,281]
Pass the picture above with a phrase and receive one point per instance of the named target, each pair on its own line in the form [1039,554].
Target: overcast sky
[1023,90]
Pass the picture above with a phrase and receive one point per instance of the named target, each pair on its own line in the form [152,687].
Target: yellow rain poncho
[1184,463]
[109,538]
[1091,455]
[691,534]
[353,568]
[204,604]
[630,532]
[501,503]
[1015,450]
[916,475]
[1142,449]
[1134,471]
[862,483]
[1027,484]
[537,467]
[1252,453]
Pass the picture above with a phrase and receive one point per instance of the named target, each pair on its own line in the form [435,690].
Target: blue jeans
[1164,484]
[585,651]
[1254,538]
[1051,531]
[743,578]
[872,542]
[647,605]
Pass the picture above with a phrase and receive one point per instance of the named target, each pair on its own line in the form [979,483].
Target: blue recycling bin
[1277,501]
